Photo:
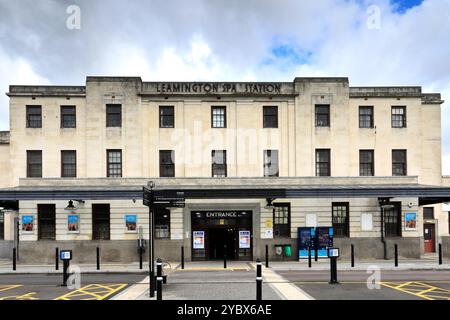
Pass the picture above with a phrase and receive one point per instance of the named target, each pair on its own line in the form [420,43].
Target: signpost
[65,256]
[333,254]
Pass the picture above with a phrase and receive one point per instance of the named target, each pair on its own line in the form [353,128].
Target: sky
[376,42]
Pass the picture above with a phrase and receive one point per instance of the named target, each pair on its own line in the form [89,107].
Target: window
[270,117]
[46,222]
[34,164]
[162,223]
[366,116]
[428,213]
[100,222]
[68,117]
[399,163]
[366,163]
[218,117]
[114,165]
[323,162]
[219,163]
[340,219]
[166,117]
[322,115]
[113,115]
[282,219]
[271,163]
[392,220]
[68,164]
[2,226]
[166,163]
[34,117]
[398,117]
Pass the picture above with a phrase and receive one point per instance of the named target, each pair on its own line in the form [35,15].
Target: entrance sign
[411,221]
[244,239]
[198,239]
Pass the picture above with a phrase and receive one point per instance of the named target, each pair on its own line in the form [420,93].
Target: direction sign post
[65,256]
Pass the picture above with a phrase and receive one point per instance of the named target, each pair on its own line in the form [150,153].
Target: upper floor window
[399,117]
[270,117]
[167,163]
[218,117]
[399,163]
[34,117]
[113,115]
[340,219]
[166,116]
[322,162]
[68,117]
[366,116]
[322,115]
[282,220]
[34,163]
[271,163]
[68,163]
[114,159]
[219,163]
[366,163]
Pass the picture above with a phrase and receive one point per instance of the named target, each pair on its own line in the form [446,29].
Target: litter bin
[287,250]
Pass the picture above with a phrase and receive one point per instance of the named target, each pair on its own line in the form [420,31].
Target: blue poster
[131,222]
[411,220]
[73,222]
[305,239]
[27,223]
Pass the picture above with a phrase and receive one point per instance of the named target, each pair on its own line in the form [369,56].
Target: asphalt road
[393,285]
[49,286]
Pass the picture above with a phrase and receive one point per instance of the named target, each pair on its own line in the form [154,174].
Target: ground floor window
[100,222]
[46,222]
[393,220]
[282,220]
[340,219]
[2,226]
[162,223]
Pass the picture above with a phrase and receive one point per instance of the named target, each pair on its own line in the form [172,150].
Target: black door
[46,222]
[100,222]
[218,239]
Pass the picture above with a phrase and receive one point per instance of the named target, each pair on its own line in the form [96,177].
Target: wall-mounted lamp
[269,203]
[71,206]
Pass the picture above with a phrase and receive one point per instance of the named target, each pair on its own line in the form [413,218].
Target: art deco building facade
[256,161]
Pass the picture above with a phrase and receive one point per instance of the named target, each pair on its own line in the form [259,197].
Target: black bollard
[440,253]
[159,279]
[140,257]
[182,257]
[396,254]
[316,257]
[65,272]
[258,280]
[225,257]
[57,259]
[353,255]
[98,258]
[309,257]
[267,255]
[14,259]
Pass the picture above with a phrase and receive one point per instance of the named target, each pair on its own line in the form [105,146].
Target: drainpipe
[383,240]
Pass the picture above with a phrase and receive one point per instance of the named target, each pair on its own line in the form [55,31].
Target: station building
[255,161]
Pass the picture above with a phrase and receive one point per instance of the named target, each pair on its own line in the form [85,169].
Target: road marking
[93,291]
[26,296]
[420,289]
[9,287]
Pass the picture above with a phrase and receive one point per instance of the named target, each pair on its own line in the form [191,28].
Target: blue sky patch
[287,54]
[401,6]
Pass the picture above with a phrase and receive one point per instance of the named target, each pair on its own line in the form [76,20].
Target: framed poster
[198,238]
[410,220]
[73,223]
[131,222]
[27,223]
[305,239]
[244,239]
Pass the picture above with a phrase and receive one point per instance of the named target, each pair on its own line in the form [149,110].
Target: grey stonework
[6,248]
[446,247]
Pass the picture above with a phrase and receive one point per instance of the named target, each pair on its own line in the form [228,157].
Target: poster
[73,223]
[198,239]
[410,220]
[244,239]
[131,222]
[27,223]
[305,239]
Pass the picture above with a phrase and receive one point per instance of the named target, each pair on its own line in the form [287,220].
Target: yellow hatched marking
[93,292]
[427,291]
[26,296]
[9,287]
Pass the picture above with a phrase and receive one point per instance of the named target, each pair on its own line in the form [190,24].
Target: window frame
[111,122]
[29,164]
[268,163]
[371,121]
[270,120]
[62,116]
[431,209]
[341,230]
[218,166]
[162,165]
[162,211]
[63,164]
[403,120]
[224,108]
[372,163]
[163,117]
[285,231]
[327,114]
[405,164]
[108,163]
[317,167]
[28,112]
[394,230]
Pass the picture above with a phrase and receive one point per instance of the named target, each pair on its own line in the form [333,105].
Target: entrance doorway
[429,236]
[222,240]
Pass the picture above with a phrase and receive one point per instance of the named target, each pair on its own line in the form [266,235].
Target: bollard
[98,258]
[140,257]
[14,258]
[440,253]
[65,272]
[225,257]
[267,255]
[315,255]
[396,254]
[333,271]
[258,280]
[182,257]
[57,258]
[309,257]
[159,279]
[353,255]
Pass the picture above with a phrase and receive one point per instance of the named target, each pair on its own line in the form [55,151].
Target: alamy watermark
[73,21]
